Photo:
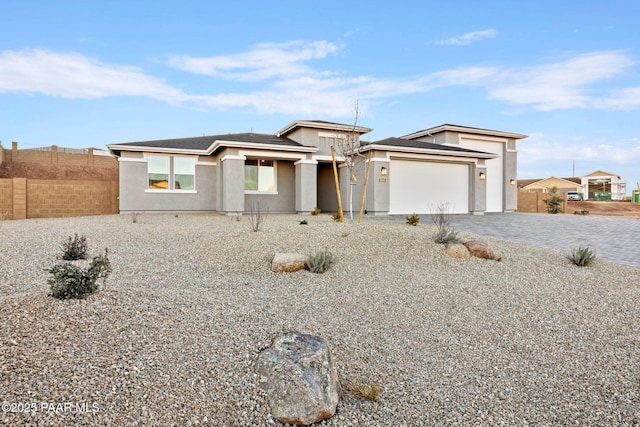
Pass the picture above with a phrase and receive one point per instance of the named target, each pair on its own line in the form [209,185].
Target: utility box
[601,195]
[635,196]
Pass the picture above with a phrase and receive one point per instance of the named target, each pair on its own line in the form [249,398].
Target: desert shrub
[134,217]
[582,256]
[336,217]
[75,248]
[581,212]
[320,261]
[413,219]
[446,235]
[71,281]
[315,211]
[304,222]
[370,392]
[554,201]
[257,216]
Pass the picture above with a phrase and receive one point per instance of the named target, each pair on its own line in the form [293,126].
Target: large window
[260,175]
[171,173]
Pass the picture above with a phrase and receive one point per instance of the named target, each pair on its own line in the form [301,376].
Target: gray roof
[410,143]
[459,128]
[202,143]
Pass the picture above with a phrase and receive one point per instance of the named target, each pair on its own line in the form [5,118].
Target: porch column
[478,186]
[306,185]
[232,184]
[377,201]
[510,187]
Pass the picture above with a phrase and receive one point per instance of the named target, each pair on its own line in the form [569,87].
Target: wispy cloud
[468,38]
[71,75]
[264,61]
[284,81]
[587,155]
[565,84]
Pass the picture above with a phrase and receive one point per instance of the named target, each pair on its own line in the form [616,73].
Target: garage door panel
[422,186]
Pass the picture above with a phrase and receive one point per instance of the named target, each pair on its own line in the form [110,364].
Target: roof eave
[329,126]
[212,148]
[462,129]
[476,155]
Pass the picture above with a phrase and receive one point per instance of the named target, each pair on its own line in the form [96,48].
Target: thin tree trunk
[335,176]
[364,189]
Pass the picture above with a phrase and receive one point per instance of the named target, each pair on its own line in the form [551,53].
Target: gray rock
[288,263]
[299,377]
[479,250]
[457,250]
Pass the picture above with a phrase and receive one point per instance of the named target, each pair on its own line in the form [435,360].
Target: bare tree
[348,146]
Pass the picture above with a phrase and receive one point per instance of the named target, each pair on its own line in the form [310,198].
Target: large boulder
[299,377]
[457,250]
[288,263]
[479,250]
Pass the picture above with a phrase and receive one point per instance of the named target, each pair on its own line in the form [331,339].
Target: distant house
[470,170]
[588,185]
[600,181]
[563,185]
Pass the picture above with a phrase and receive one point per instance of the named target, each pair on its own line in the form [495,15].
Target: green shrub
[336,217]
[581,212]
[582,256]
[320,261]
[304,222]
[75,248]
[315,212]
[446,234]
[413,219]
[554,201]
[71,281]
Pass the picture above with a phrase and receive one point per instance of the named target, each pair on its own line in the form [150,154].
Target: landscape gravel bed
[170,339]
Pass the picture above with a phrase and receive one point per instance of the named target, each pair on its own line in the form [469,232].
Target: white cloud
[289,85]
[468,38]
[564,84]
[624,99]
[71,75]
[265,61]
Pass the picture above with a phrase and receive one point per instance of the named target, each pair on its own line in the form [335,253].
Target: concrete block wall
[534,202]
[21,198]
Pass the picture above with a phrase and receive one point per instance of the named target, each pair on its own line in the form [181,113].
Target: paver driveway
[614,239]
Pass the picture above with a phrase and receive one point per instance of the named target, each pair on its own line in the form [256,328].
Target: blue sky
[566,73]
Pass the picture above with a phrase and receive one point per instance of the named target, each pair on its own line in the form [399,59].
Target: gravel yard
[171,338]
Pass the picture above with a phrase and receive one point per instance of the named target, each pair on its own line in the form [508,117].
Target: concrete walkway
[614,239]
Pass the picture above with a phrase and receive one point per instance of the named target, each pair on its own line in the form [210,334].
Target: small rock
[457,250]
[479,250]
[288,263]
[299,377]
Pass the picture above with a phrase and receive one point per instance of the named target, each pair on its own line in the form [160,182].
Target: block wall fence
[534,202]
[55,155]
[22,198]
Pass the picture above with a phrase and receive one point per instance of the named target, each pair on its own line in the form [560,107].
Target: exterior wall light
[512,182]
[384,171]
[482,176]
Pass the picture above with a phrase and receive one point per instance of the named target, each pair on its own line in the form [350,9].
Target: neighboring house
[595,182]
[600,181]
[563,185]
[469,170]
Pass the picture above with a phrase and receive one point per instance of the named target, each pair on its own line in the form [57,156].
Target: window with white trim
[260,175]
[171,173]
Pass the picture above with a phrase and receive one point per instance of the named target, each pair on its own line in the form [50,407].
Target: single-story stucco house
[469,170]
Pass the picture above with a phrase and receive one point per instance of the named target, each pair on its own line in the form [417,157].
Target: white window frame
[275,177]
[171,184]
